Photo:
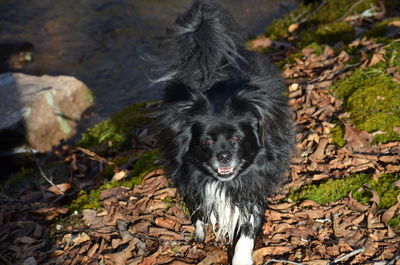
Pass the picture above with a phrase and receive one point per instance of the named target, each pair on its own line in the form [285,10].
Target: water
[99,41]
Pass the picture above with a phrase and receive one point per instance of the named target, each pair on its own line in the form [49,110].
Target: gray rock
[45,109]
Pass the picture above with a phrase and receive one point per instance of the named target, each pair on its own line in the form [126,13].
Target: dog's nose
[224,157]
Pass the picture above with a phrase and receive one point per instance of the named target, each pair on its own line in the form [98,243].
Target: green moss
[321,26]
[380,28]
[373,100]
[335,189]
[279,27]
[86,200]
[395,221]
[338,136]
[147,162]
[385,189]
[108,170]
[331,190]
[329,33]
[91,200]
[185,208]
[117,130]
[392,54]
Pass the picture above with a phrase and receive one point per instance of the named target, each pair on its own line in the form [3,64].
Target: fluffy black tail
[203,46]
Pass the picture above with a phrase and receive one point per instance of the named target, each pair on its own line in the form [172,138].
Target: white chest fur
[220,210]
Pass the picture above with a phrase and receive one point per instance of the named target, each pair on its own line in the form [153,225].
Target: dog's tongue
[225,170]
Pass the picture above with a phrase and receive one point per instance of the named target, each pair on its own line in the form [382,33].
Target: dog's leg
[243,251]
[200,232]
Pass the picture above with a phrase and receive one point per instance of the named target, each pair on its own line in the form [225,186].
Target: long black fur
[213,85]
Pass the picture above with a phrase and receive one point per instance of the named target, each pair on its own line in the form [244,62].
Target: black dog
[226,129]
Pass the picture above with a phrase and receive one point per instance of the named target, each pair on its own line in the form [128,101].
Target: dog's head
[221,134]
[223,147]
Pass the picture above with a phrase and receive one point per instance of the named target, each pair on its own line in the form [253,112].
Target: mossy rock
[91,200]
[329,191]
[372,98]
[322,26]
[329,33]
[381,28]
[279,27]
[117,130]
[335,189]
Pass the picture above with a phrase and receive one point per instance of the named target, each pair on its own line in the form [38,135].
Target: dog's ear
[181,103]
[271,112]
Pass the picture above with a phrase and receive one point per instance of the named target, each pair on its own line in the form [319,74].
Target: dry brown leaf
[81,238]
[293,87]
[395,23]
[259,254]
[282,206]
[91,218]
[371,248]
[164,233]
[353,203]
[390,213]
[317,177]
[376,58]
[120,175]
[261,43]
[356,139]
[310,203]
[52,212]
[293,27]
[166,223]
[214,256]
[319,153]
[57,189]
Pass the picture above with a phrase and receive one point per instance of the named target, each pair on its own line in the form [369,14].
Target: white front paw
[243,250]
[241,260]
[200,233]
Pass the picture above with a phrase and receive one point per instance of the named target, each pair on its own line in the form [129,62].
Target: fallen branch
[44,175]
[282,261]
[350,9]
[337,72]
[353,253]
[312,13]
[92,155]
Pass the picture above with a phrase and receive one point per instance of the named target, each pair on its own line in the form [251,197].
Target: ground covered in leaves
[341,207]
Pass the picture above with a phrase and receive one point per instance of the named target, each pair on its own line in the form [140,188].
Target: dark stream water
[98,41]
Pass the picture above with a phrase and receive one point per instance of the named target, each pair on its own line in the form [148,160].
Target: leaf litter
[149,224]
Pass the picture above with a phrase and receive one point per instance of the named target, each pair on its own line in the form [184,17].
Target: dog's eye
[237,138]
[207,141]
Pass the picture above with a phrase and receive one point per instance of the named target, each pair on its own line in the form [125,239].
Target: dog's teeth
[225,170]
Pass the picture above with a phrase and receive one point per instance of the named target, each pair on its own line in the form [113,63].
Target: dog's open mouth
[225,170]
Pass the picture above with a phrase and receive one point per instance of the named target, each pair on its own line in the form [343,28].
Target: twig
[337,72]
[44,175]
[350,9]
[282,261]
[312,13]
[92,155]
[353,253]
